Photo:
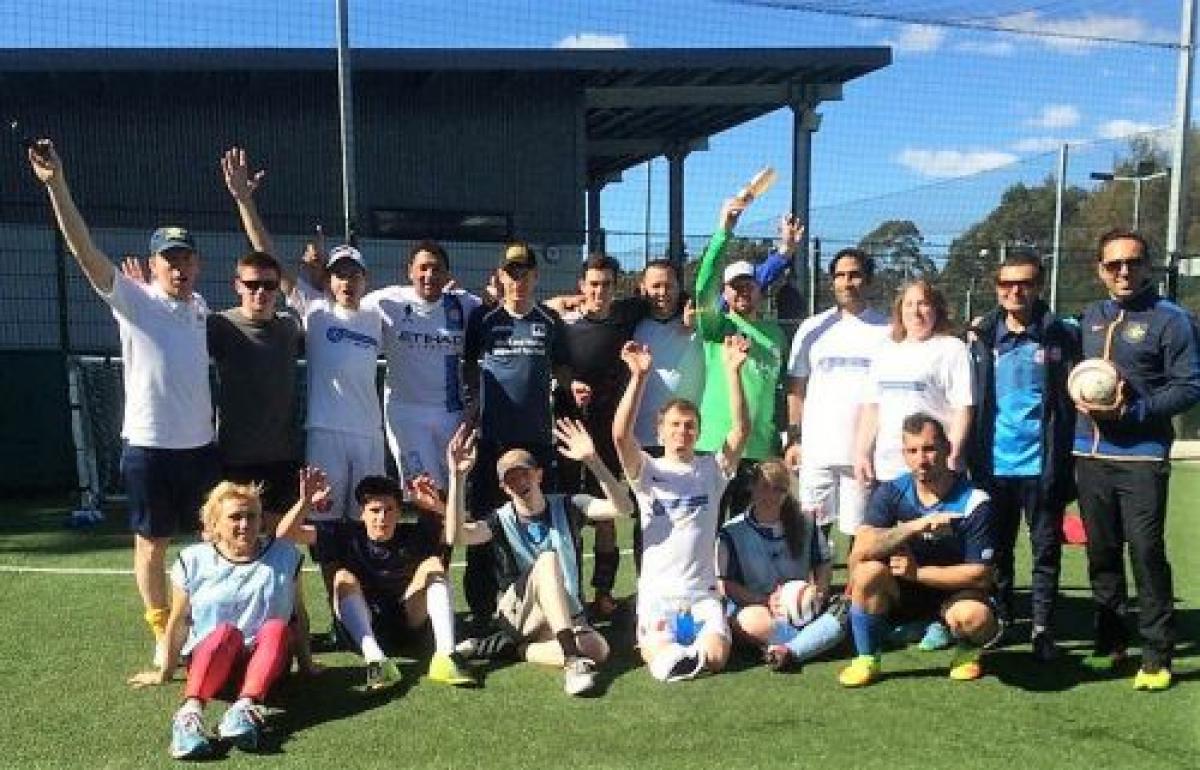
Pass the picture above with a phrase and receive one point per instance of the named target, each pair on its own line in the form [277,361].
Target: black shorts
[919,602]
[280,481]
[166,487]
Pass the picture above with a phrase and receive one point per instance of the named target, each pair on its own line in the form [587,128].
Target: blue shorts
[166,487]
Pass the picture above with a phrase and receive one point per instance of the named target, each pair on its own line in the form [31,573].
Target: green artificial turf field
[70,638]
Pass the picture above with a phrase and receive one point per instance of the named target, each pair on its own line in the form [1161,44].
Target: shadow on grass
[43,529]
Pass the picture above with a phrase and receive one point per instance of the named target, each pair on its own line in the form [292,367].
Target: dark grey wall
[144,147]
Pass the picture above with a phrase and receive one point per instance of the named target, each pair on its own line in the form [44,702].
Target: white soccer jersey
[834,351]
[342,347]
[679,508]
[933,376]
[423,344]
[677,372]
[168,404]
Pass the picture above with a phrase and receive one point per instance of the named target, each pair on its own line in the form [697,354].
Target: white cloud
[918,38]
[1055,116]
[998,47]
[594,40]
[951,163]
[1090,26]
[1038,144]
[1122,128]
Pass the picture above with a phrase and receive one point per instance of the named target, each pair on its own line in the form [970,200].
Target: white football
[1094,382]
[799,599]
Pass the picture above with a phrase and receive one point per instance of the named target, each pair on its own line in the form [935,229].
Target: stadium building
[472,147]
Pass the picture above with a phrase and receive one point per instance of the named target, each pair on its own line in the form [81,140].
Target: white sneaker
[579,676]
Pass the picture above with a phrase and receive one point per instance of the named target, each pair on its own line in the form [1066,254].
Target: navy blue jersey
[516,357]
[971,539]
[383,568]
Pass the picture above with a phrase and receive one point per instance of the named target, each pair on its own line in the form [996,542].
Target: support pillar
[805,121]
[595,233]
[676,250]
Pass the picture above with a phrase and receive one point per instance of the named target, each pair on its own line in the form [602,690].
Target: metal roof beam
[613,148]
[683,96]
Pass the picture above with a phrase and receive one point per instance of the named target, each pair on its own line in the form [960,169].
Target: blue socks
[868,630]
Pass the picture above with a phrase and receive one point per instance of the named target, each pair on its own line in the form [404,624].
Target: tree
[895,245]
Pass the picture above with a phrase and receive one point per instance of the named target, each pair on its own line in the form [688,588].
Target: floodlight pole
[1179,153]
[1060,190]
[346,120]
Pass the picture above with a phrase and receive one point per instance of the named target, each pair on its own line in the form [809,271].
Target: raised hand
[461,451]
[241,183]
[574,441]
[735,351]
[791,230]
[46,164]
[424,493]
[133,269]
[637,357]
[314,488]
[689,314]
[731,210]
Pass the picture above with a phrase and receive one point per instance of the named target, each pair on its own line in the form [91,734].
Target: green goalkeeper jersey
[760,374]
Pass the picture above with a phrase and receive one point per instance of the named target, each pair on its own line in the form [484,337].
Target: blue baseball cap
[167,238]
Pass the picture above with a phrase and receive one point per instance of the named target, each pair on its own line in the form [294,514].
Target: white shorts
[657,620]
[830,493]
[418,437]
[345,458]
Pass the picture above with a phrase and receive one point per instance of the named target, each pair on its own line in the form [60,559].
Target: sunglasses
[1007,285]
[264,285]
[1114,266]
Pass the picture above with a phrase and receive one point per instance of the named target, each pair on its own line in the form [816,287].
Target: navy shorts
[280,482]
[166,487]
[920,602]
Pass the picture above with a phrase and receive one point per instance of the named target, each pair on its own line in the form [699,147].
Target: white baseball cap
[739,269]
[345,252]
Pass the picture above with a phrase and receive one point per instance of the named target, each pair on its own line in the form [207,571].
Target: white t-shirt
[678,371]
[342,347]
[679,508]
[164,345]
[423,344]
[933,376]
[834,351]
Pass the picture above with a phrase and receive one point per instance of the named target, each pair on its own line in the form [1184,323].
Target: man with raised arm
[535,540]
[681,625]
[254,348]
[924,551]
[168,461]
[760,376]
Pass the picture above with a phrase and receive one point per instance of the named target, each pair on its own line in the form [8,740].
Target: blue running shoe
[188,739]
[937,637]
[242,726]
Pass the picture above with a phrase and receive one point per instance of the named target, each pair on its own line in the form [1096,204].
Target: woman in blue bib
[774,569]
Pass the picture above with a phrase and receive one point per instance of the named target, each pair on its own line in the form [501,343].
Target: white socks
[440,607]
[352,610]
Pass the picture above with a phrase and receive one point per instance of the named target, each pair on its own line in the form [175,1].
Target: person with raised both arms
[535,541]
[682,629]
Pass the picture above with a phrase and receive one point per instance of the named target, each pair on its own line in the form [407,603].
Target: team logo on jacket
[537,330]
[1134,332]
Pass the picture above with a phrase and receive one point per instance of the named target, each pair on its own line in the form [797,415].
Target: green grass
[69,641]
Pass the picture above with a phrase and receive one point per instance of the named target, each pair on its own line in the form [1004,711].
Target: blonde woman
[232,598]
[774,569]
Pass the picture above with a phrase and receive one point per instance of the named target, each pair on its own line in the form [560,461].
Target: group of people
[513,423]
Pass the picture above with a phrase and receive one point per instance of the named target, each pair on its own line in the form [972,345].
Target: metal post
[346,118]
[804,122]
[675,157]
[1060,191]
[646,220]
[1137,203]
[1176,212]
[813,267]
[595,233]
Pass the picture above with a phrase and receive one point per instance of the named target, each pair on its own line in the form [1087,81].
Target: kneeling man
[924,551]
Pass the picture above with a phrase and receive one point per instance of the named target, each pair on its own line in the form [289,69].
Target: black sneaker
[1044,648]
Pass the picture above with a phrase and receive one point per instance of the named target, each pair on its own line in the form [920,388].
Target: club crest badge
[1134,332]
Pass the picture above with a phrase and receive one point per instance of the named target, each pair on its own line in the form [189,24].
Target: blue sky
[936,137]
